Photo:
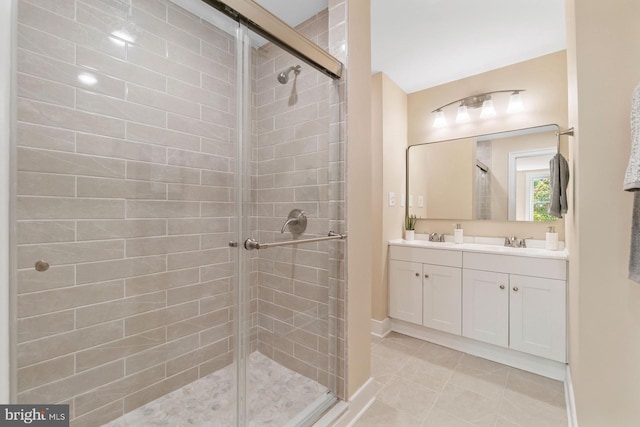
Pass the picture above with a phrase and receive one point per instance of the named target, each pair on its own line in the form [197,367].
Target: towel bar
[251,244]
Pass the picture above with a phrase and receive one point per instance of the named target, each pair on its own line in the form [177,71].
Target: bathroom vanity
[501,303]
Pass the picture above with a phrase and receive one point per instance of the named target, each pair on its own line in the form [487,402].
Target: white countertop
[533,252]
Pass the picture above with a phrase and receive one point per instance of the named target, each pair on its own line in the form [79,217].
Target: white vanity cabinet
[470,295]
[441,294]
[405,291]
[426,293]
[537,321]
[485,304]
[522,312]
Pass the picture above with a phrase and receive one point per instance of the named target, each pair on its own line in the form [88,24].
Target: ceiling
[425,43]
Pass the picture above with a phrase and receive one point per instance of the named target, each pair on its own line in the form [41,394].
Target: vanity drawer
[526,266]
[426,255]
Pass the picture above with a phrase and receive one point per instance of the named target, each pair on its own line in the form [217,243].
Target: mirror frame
[530,130]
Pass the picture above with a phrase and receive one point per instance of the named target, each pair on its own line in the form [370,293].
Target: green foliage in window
[541,200]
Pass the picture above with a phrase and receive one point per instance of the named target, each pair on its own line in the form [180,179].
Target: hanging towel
[634,257]
[559,179]
[632,177]
[632,183]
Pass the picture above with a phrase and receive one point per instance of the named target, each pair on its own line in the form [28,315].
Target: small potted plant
[409,227]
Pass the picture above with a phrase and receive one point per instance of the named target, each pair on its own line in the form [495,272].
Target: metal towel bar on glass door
[250,243]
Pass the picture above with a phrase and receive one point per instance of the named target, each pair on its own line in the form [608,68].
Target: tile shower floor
[424,385]
[275,395]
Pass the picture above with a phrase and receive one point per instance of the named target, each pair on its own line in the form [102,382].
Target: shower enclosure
[161,147]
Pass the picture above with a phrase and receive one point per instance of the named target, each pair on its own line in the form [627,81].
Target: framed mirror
[500,177]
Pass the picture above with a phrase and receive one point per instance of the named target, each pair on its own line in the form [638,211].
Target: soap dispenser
[458,236]
[551,239]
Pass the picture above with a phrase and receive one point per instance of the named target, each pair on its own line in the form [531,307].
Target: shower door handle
[251,244]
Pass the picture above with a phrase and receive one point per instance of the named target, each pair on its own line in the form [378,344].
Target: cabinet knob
[426,276]
[501,286]
[417,274]
[515,288]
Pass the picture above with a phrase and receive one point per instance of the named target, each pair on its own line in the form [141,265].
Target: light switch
[392,199]
[403,200]
[420,202]
[410,200]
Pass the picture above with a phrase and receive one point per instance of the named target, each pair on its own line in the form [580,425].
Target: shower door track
[269,26]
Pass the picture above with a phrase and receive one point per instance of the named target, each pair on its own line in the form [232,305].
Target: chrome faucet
[514,242]
[433,237]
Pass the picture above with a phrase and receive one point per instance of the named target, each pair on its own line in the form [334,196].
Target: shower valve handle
[296,221]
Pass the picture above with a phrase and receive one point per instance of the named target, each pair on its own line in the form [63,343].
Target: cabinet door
[442,298]
[538,316]
[405,291]
[485,304]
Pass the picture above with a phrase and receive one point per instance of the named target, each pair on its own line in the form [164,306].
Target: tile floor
[424,385]
[275,395]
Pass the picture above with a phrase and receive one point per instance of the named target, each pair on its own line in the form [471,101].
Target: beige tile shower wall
[126,173]
[293,158]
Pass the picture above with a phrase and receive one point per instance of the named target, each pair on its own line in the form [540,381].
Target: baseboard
[572,416]
[357,405]
[381,328]
[526,362]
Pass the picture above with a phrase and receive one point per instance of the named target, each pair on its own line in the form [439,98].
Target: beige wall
[450,180]
[359,193]
[605,306]
[545,99]
[377,180]
[389,140]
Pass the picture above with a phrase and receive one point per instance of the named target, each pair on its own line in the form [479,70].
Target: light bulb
[463,114]
[440,120]
[515,103]
[487,109]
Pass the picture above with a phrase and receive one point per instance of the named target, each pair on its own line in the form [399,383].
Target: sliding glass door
[292,295]
[153,139]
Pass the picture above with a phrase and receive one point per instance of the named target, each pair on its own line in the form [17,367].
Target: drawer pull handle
[426,276]
[417,274]
[501,286]
[515,288]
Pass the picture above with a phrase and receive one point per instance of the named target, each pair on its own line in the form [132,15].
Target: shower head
[283,77]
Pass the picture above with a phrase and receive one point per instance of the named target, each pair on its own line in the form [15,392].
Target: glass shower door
[126,152]
[291,293]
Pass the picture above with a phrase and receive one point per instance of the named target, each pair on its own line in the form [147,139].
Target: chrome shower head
[283,77]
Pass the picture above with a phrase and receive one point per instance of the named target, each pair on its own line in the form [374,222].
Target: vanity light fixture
[515,103]
[488,110]
[440,120]
[483,101]
[463,114]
